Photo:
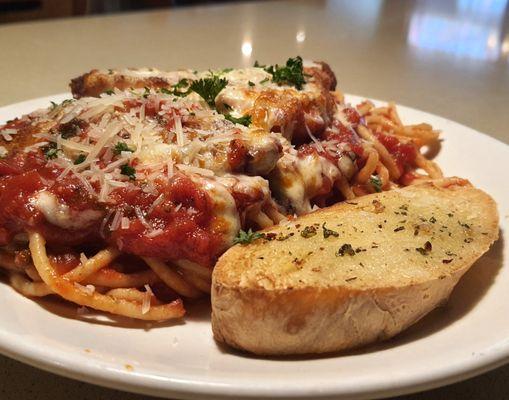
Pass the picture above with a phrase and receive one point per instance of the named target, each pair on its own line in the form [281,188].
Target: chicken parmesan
[123,198]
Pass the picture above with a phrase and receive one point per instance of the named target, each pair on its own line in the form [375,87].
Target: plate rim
[91,372]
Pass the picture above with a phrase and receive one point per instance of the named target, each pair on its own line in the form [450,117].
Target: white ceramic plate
[468,337]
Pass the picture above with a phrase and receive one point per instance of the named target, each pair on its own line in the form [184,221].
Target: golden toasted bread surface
[368,267]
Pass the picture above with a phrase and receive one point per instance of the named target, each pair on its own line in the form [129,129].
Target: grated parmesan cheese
[83,258]
[124,223]
[147,297]
[88,289]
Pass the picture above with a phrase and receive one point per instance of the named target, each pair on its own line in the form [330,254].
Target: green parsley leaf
[120,147]
[328,232]
[376,182]
[182,84]
[264,81]
[66,102]
[176,89]
[129,171]
[345,249]
[247,237]
[53,105]
[109,92]
[146,92]
[50,151]
[258,65]
[426,249]
[244,120]
[308,231]
[80,159]
[291,74]
[250,83]
[209,88]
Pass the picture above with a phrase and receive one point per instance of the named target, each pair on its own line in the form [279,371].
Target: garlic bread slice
[353,273]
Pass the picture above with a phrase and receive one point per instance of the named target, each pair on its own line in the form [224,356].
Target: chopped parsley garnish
[264,81]
[146,92]
[245,120]
[345,249]
[120,147]
[426,249]
[62,104]
[464,225]
[109,92]
[250,83]
[308,231]
[376,182]
[247,237]
[282,237]
[328,232]
[80,159]
[178,88]
[209,88]
[128,171]
[50,151]
[291,74]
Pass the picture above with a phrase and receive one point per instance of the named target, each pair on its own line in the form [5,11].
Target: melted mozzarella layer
[61,215]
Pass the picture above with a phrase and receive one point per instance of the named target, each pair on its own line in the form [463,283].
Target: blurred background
[480,28]
[23,10]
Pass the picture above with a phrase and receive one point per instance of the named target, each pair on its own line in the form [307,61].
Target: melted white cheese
[61,215]
[225,208]
[301,178]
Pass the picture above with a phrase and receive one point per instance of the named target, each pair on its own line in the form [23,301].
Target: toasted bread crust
[303,318]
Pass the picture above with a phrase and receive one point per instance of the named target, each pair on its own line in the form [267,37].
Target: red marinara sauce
[22,176]
[182,225]
[403,153]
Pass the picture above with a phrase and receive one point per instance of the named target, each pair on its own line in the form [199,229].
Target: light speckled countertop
[441,57]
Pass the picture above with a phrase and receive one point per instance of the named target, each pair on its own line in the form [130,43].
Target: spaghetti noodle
[123,202]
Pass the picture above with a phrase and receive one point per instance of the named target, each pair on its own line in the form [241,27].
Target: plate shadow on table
[469,291]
